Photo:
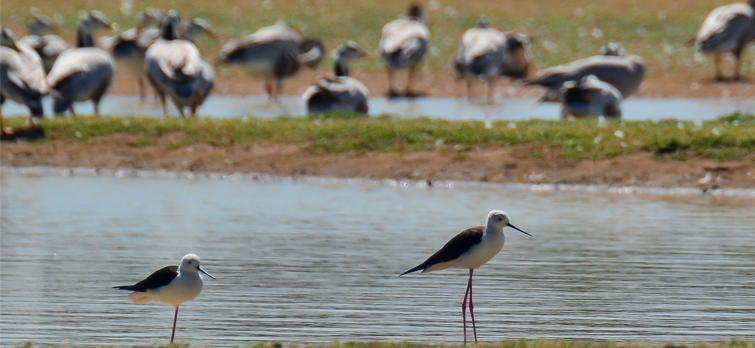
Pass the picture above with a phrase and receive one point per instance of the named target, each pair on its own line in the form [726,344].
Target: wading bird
[728,28]
[339,92]
[170,285]
[402,46]
[175,68]
[22,77]
[623,71]
[273,54]
[590,97]
[82,73]
[470,249]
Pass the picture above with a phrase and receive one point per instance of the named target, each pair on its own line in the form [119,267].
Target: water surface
[447,108]
[301,262]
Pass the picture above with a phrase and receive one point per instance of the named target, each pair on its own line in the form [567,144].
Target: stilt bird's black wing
[455,247]
[159,278]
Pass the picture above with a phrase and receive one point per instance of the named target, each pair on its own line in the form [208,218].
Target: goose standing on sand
[82,73]
[273,53]
[49,46]
[590,97]
[22,77]
[486,54]
[403,44]
[621,70]
[339,92]
[728,28]
[130,46]
[175,68]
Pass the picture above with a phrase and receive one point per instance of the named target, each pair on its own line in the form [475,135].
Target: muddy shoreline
[509,165]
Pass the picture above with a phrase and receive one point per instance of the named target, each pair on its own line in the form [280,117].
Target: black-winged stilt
[470,249]
[170,285]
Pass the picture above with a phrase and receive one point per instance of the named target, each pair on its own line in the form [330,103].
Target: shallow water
[448,108]
[302,262]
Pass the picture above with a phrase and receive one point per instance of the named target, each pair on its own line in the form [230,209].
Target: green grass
[562,31]
[733,343]
[727,138]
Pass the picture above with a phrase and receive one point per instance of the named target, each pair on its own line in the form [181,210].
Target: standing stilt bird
[470,249]
[170,285]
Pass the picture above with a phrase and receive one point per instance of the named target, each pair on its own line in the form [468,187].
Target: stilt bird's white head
[190,263]
[499,219]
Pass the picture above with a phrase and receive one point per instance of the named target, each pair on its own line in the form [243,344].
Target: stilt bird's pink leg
[464,311]
[471,305]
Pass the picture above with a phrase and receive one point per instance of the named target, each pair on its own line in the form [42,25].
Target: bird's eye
[190,262]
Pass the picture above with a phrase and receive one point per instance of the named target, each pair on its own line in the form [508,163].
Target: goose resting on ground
[273,53]
[590,97]
[623,72]
[486,54]
[339,92]
[22,77]
[175,68]
[403,44]
[728,28]
[49,46]
[82,73]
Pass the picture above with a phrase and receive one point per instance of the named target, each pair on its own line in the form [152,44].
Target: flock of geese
[161,51]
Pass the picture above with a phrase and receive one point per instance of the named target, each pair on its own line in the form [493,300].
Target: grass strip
[727,138]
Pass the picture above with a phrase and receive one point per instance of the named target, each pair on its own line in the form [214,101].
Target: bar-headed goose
[623,72]
[22,77]
[129,47]
[273,53]
[728,28]
[519,60]
[48,46]
[403,44]
[590,97]
[175,68]
[82,73]
[339,92]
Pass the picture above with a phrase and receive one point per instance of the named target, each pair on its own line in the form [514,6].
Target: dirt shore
[503,164]
[443,83]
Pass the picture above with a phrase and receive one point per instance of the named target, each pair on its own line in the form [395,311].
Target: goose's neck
[342,68]
[84,37]
[169,31]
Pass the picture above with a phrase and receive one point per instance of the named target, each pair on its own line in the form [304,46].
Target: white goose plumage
[403,45]
[728,28]
[175,68]
[487,54]
[82,73]
[22,77]
[339,92]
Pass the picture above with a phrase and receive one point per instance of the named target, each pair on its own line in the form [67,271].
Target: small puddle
[447,108]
